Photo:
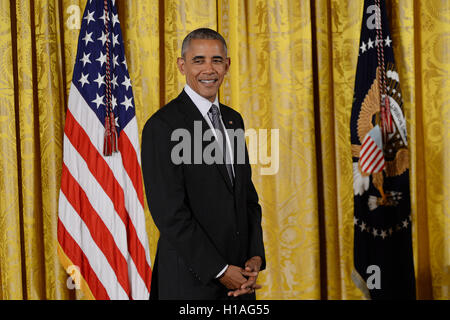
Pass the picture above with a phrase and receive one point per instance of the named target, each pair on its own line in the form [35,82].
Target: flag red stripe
[375,167]
[131,164]
[77,256]
[369,147]
[100,233]
[137,253]
[375,158]
[366,158]
[103,174]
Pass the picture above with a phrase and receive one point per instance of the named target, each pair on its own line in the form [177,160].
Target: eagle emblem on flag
[373,154]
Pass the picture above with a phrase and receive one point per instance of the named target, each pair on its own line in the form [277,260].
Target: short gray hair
[202,33]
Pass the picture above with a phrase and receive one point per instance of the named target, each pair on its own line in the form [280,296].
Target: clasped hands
[242,281]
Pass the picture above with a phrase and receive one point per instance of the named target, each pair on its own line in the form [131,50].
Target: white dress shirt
[203,105]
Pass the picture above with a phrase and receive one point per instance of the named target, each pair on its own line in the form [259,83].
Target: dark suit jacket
[205,222]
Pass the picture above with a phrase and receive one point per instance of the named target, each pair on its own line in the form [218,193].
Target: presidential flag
[102,240]
[383,257]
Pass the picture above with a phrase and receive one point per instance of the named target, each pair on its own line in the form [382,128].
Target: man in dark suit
[211,242]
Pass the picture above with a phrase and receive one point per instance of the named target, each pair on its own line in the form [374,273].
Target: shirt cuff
[221,272]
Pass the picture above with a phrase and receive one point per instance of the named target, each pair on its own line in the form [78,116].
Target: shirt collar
[202,104]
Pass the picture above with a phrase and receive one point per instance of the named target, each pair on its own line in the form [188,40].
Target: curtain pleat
[10,221]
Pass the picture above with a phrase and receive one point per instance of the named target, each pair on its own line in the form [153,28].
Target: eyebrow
[203,57]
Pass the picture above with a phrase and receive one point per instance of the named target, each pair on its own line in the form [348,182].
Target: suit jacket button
[237,233]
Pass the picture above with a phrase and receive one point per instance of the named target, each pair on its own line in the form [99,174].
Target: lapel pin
[230,122]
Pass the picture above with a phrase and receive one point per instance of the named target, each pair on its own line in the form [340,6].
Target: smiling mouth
[208,81]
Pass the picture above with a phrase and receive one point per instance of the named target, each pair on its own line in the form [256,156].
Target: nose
[209,67]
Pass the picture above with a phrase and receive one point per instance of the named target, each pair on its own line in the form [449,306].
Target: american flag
[101,222]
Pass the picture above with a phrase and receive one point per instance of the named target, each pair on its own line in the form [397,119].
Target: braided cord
[108,67]
[386,122]
[110,142]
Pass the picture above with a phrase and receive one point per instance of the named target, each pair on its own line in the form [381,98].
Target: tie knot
[214,110]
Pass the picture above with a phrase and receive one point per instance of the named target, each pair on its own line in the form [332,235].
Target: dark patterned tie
[214,116]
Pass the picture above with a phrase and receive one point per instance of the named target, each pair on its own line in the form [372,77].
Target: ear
[180,64]
[228,63]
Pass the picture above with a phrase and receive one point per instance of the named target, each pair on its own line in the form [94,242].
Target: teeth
[207,81]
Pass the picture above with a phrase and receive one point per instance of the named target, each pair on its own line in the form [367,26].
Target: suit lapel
[193,114]
[190,111]
[231,123]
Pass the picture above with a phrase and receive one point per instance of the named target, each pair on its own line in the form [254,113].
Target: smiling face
[204,64]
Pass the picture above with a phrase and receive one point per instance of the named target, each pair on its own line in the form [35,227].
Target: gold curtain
[293,65]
